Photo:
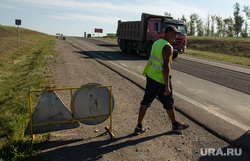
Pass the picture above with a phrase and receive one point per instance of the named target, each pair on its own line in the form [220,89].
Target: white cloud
[7,6]
[103,19]
[79,5]
[123,8]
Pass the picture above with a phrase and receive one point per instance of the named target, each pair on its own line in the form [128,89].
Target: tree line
[214,25]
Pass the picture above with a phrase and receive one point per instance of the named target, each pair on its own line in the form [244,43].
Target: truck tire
[130,49]
[123,46]
[175,54]
[148,49]
[118,42]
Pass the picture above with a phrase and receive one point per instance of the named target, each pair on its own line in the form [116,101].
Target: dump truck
[139,36]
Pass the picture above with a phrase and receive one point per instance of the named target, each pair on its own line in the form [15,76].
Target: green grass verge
[220,57]
[109,38]
[216,38]
[23,67]
[222,45]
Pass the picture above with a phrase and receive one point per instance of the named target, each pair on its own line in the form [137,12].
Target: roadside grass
[111,37]
[219,38]
[23,67]
[220,57]
[222,45]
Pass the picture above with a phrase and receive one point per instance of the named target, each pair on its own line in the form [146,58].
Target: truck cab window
[157,27]
[181,27]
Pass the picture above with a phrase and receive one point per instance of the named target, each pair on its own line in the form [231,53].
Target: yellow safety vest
[154,67]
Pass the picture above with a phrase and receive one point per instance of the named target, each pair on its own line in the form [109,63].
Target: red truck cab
[156,30]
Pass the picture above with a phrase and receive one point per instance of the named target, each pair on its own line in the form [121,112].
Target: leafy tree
[238,19]
[207,26]
[193,18]
[219,26]
[229,23]
[184,19]
[212,25]
[224,27]
[247,12]
[199,26]
[167,14]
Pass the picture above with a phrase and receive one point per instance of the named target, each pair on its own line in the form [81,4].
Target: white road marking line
[123,64]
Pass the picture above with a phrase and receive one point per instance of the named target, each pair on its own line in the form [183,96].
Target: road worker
[157,72]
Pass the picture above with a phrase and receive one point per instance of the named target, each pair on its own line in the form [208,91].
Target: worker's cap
[172,28]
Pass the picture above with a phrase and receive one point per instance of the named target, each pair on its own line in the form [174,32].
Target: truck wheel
[123,46]
[118,42]
[130,49]
[148,49]
[175,54]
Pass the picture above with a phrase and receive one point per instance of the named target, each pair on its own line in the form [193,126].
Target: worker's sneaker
[179,126]
[139,130]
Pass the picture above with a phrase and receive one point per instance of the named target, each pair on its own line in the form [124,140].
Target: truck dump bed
[130,30]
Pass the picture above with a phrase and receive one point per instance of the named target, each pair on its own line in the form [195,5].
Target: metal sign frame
[109,129]
[18,22]
[98,30]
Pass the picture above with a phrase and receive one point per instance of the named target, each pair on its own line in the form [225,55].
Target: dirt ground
[91,142]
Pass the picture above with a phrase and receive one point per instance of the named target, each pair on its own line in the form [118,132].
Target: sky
[74,17]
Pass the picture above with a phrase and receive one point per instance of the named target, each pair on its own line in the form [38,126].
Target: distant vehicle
[139,36]
[60,36]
